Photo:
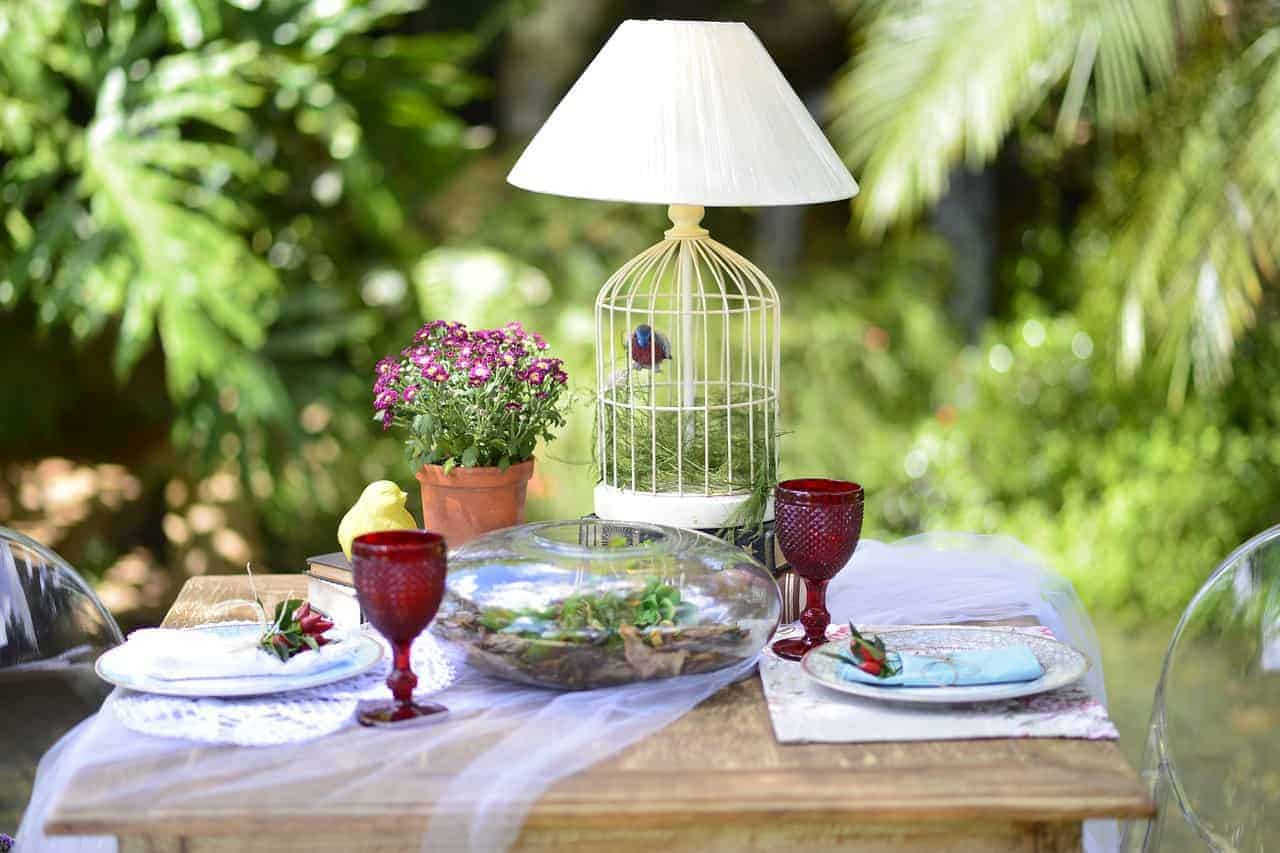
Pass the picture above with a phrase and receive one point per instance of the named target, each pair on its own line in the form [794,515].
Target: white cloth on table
[280,718]
[945,578]
[174,654]
[503,745]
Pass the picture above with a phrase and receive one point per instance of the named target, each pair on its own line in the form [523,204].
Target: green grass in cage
[640,445]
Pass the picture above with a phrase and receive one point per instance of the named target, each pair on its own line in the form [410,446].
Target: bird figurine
[648,348]
[380,507]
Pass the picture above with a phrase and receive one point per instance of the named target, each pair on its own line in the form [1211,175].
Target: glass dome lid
[582,604]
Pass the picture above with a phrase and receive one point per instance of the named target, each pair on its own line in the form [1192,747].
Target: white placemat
[805,712]
[271,720]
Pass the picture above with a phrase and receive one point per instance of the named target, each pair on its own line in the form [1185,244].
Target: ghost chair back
[52,629]
[1213,746]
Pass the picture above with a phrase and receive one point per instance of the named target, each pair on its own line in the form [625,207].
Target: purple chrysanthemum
[436,372]
[513,406]
[410,393]
[534,376]
[480,373]
[385,400]
[387,419]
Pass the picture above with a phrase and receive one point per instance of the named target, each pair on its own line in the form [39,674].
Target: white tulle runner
[503,745]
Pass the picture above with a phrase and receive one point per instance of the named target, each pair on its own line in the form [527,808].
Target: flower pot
[468,502]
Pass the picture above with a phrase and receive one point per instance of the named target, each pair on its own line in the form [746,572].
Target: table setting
[631,676]
[505,741]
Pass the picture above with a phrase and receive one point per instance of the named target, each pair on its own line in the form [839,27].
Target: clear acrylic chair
[52,629]
[1213,747]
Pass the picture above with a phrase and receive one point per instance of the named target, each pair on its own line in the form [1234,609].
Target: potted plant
[474,404]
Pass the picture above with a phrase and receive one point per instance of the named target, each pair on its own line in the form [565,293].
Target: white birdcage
[687,370]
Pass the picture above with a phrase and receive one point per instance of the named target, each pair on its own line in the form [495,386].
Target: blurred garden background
[1049,314]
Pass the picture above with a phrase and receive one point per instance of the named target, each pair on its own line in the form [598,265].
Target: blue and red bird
[648,348]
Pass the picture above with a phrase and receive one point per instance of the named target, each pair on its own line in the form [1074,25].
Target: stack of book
[331,588]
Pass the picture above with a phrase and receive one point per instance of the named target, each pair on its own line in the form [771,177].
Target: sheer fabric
[945,578]
[480,770]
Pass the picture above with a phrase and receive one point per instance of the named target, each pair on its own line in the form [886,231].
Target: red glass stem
[815,617]
[402,681]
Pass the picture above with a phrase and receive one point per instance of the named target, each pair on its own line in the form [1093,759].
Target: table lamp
[689,114]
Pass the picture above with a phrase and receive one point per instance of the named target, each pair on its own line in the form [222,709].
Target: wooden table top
[718,765]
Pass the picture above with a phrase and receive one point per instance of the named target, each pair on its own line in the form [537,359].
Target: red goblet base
[794,648]
[386,713]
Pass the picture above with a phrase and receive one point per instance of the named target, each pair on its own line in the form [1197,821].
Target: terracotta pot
[468,502]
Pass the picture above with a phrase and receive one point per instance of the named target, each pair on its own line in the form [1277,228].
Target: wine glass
[817,523]
[399,578]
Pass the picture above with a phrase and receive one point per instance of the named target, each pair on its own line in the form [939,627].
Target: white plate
[1062,664]
[367,655]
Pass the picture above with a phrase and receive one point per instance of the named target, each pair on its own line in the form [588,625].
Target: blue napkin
[984,666]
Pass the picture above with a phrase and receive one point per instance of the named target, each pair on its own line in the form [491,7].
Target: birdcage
[687,371]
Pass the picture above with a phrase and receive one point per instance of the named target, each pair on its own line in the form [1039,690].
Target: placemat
[805,712]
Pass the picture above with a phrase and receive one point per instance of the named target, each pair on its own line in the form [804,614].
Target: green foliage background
[217,214]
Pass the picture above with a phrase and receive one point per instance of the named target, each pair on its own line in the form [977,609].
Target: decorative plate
[1062,664]
[367,655]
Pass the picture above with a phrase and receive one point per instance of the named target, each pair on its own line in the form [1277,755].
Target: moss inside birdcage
[643,448]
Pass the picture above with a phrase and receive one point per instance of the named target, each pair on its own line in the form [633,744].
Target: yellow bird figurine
[381,507]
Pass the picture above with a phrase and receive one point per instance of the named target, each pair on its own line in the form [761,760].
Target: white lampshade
[684,112]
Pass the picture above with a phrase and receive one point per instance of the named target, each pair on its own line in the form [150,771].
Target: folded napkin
[982,666]
[172,654]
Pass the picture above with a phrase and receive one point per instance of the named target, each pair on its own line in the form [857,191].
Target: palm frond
[930,89]
[1203,234]
[934,85]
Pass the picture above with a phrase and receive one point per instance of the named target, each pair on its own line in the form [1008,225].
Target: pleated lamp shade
[684,112]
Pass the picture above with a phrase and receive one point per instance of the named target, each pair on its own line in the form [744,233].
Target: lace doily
[279,718]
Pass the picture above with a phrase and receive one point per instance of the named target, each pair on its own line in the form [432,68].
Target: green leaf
[450,464]
[930,90]
[469,456]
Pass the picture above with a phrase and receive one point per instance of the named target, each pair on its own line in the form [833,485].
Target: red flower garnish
[297,627]
[869,655]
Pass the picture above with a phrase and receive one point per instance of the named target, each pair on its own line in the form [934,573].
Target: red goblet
[399,578]
[817,523]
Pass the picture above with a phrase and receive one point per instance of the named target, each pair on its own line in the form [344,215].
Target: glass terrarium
[583,604]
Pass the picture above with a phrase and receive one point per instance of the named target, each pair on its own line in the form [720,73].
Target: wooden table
[716,780]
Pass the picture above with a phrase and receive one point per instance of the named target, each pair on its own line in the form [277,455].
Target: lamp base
[696,512]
